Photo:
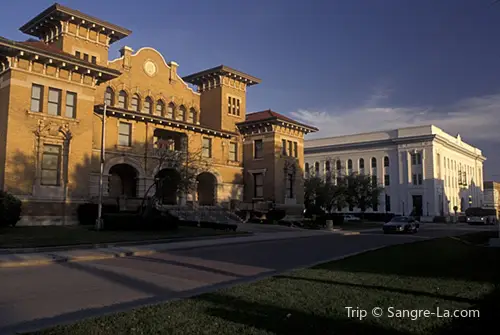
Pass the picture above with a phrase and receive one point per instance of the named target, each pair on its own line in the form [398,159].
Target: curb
[12,251]
[56,259]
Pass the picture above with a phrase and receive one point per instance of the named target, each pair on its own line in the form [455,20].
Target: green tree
[362,191]
[324,193]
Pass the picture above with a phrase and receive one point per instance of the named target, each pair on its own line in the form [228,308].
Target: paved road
[37,297]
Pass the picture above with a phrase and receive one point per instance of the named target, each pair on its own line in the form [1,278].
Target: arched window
[316,167]
[192,115]
[109,96]
[307,168]
[386,161]
[160,108]
[339,165]
[122,99]
[134,104]
[147,106]
[374,162]
[361,163]
[327,166]
[170,110]
[181,115]
[349,164]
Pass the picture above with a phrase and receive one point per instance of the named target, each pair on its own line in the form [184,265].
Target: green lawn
[43,236]
[443,273]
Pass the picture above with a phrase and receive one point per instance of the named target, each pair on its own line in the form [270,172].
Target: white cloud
[476,118]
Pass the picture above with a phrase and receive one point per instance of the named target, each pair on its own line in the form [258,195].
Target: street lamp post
[99,223]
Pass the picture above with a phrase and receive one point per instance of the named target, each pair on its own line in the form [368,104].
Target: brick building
[53,90]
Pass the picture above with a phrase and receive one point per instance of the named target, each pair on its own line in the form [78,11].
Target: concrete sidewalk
[46,258]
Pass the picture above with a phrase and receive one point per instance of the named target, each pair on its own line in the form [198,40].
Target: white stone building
[421,168]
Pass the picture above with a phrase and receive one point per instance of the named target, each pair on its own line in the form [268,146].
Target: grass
[45,236]
[443,273]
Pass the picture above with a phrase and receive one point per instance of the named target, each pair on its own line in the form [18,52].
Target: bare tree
[185,159]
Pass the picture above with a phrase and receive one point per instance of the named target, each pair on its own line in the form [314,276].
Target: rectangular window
[420,179]
[387,203]
[295,150]
[94,59]
[258,180]
[207,147]
[51,165]
[414,179]
[70,104]
[54,106]
[125,134]
[387,180]
[36,98]
[289,186]
[290,148]
[258,149]
[374,180]
[86,57]
[233,106]
[283,147]
[416,158]
[78,54]
[233,152]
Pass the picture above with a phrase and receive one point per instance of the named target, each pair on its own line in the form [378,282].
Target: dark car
[401,224]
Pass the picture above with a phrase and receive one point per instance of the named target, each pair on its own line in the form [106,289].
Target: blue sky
[345,66]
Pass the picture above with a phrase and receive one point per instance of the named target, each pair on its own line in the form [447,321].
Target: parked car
[479,220]
[401,224]
[351,218]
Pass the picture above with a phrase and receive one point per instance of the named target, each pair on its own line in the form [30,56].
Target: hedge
[10,209]
[155,220]
[87,213]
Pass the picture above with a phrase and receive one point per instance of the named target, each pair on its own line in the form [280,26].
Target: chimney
[126,52]
[173,71]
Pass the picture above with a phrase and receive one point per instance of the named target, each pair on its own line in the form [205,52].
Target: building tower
[223,96]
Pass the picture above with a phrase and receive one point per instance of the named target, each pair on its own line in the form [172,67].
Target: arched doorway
[206,189]
[168,185]
[123,181]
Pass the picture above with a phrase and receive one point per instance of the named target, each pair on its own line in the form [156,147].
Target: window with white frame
[134,103]
[124,134]
[70,104]
[233,151]
[54,103]
[207,147]
[51,165]
[258,181]
[36,98]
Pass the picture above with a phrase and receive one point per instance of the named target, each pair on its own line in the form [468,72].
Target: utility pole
[99,223]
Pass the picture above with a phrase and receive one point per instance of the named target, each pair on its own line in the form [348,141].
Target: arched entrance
[168,185]
[123,181]
[206,189]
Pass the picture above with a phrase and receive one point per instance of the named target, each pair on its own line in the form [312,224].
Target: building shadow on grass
[425,260]
[486,323]
[381,288]
[285,321]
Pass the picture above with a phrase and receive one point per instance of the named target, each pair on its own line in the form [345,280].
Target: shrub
[275,214]
[10,209]
[87,213]
[154,220]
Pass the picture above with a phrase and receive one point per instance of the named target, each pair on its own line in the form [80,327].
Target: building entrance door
[417,205]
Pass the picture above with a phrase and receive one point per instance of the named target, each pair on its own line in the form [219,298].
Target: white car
[351,218]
